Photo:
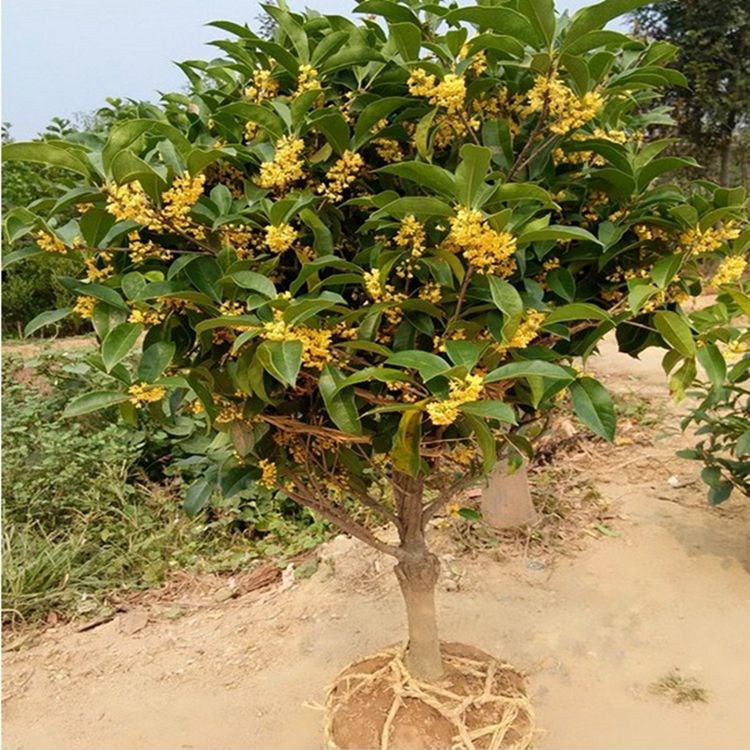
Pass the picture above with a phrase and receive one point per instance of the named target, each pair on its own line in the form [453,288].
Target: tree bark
[726,160]
[417,573]
[417,577]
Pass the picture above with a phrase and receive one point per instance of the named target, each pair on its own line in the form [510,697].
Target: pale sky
[62,57]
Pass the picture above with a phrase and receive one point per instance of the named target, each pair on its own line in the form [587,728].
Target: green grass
[92,508]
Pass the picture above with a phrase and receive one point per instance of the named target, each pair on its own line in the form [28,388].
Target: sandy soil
[670,591]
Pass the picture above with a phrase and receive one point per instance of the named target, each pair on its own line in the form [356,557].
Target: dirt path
[670,592]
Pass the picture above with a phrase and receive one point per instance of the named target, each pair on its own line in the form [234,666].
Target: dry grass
[679,689]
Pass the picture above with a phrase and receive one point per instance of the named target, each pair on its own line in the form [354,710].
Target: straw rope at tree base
[448,704]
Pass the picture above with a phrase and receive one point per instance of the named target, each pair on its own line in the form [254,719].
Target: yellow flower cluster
[243,239]
[697,241]
[286,167]
[567,111]
[50,243]
[269,474]
[379,292]
[130,202]
[179,201]
[263,86]
[231,309]
[341,175]
[84,306]
[293,445]
[526,332]
[94,273]
[140,251]
[488,251]
[461,392]
[307,79]
[730,270]
[449,94]
[316,342]
[478,62]
[280,238]
[411,235]
[146,317]
[431,292]
[143,393]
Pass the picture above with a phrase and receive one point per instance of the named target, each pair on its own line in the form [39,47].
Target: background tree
[713,40]
[369,254]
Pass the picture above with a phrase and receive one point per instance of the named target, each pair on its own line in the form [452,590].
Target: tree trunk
[417,577]
[417,573]
[726,160]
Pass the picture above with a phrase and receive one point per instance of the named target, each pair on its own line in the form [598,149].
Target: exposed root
[512,706]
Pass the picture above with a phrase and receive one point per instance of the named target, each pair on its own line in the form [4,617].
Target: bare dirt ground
[666,591]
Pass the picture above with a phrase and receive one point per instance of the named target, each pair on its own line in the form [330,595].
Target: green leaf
[490,410]
[103,293]
[19,255]
[419,206]
[712,361]
[340,404]
[485,440]
[719,493]
[526,368]
[427,364]
[94,401]
[256,282]
[374,113]
[676,332]
[665,269]
[471,173]
[204,274]
[405,452]
[509,302]
[335,129]
[465,353]
[45,319]
[596,17]
[557,232]
[154,360]
[594,407]
[562,283]
[502,20]
[281,359]
[435,178]
[408,38]
[576,311]
[541,14]
[197,496]
[49,152]
[124,135]
[118,343]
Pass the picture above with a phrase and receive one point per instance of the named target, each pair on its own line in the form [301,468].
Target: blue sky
[62,57]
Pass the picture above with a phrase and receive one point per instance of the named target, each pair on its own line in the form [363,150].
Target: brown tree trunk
[417,573]
[417,576]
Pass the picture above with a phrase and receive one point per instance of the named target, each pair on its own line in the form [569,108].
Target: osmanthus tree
[367,254]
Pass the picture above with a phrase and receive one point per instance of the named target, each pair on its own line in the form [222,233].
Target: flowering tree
[366,255]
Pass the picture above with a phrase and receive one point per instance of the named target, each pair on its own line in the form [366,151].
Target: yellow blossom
[84,306]
[488,251]
[307,79]
[526,332]
[700,241]
[280,238]
[146,317]
[179,200]
[51,243]
[566,110]
[730,270]
[143,393]
[140,251]
[269,476]
[130,202]
[263,86]
[449,94]
[342,175]
[431,292]
[286,167]
[94,273]
[411,235]
[446,412]
[231,309]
